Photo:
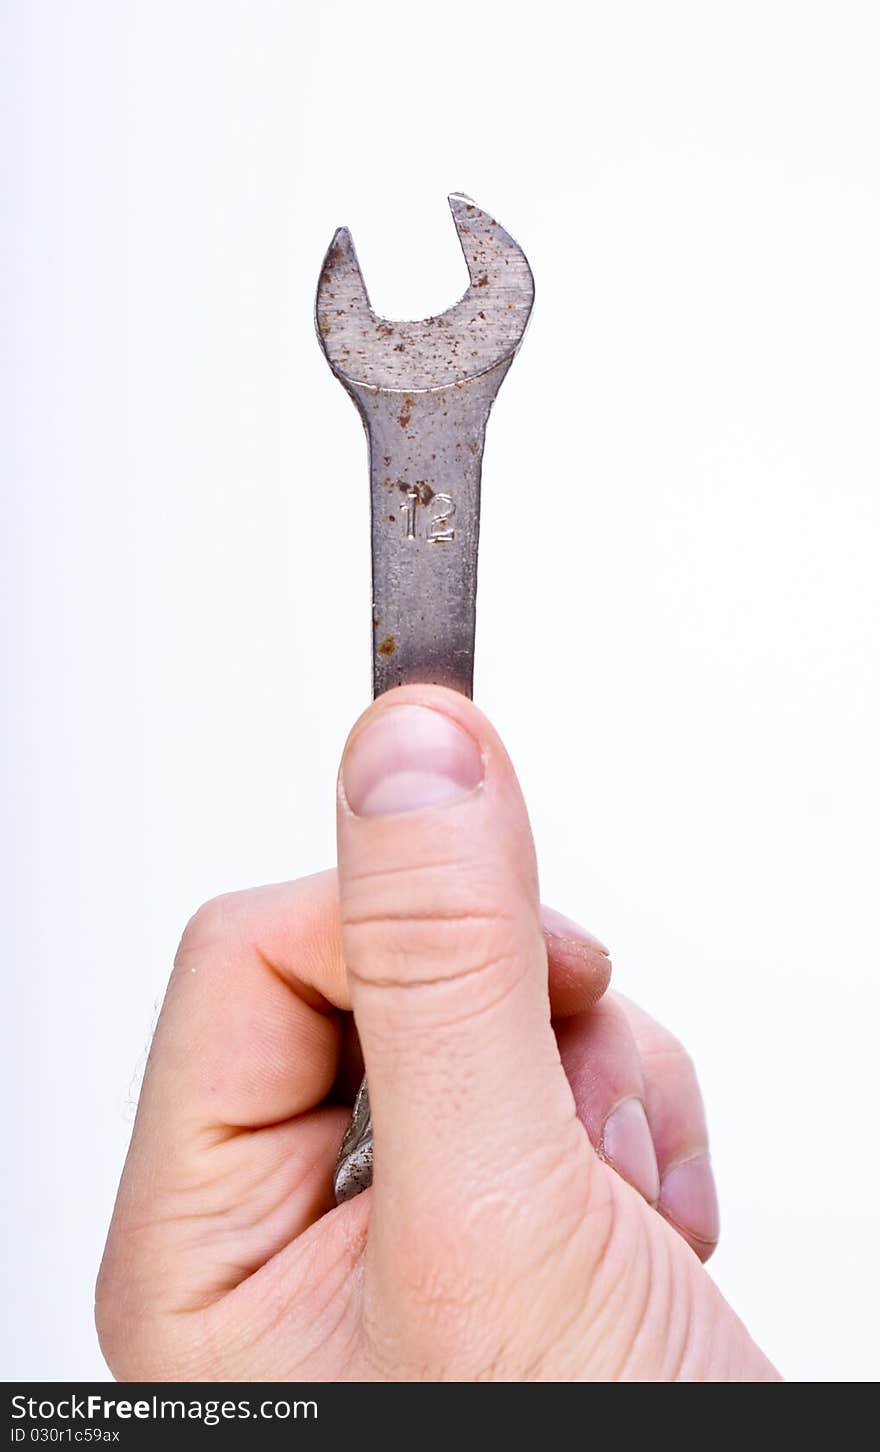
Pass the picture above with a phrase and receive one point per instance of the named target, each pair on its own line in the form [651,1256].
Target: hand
[541,1185]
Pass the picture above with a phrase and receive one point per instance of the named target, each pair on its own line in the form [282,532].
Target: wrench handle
[425,464]
[426,459]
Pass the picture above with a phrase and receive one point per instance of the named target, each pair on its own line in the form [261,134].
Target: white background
[679,599]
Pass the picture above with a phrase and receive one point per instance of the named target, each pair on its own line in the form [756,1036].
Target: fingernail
[628,1146]
[689,1198]
[407,758]
[561,927]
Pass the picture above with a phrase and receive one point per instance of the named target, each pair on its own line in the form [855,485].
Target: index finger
[249,1034]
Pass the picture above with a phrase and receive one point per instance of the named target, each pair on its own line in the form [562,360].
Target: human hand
[496,1242]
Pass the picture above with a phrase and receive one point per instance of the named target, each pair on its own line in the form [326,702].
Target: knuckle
[106,1322]
[427,924]
[413,950]
[686,1066]
[682,1068]
[659,1048]
[124,1328]
[210,924]
[138,1341]
[666,1051]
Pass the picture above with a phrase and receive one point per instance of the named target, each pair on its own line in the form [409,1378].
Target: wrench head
[481,331]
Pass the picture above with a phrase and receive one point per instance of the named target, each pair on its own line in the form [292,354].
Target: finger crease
[473,971]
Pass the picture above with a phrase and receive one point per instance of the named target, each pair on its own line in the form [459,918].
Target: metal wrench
[424,391]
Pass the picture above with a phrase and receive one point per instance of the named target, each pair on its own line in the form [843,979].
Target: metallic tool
[424,391]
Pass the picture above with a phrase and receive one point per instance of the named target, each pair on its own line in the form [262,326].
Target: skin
[499,1241]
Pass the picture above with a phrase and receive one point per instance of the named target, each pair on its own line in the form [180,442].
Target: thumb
[444,947]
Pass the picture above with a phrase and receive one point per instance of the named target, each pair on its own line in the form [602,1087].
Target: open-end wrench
[424,391]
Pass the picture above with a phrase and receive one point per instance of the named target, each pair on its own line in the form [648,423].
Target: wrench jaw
[502,289]
[484,328]
[354,1163]
[342,294]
